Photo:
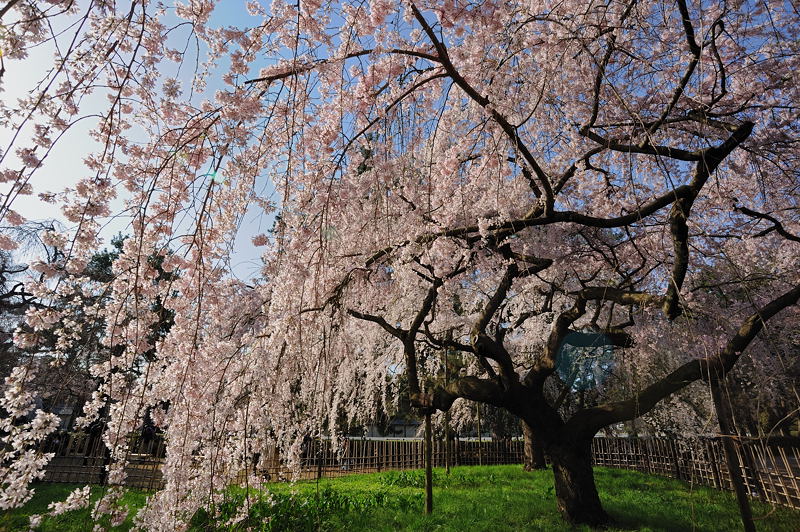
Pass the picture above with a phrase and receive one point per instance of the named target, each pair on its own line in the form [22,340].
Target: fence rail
[771,472]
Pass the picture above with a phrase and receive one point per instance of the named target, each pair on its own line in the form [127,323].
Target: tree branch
[777,225]
[679,214]
[483,101]
[447,342]
[623,297]
[547,363]
[646,148]
[293,70]
[695,49]
[6,8]
[485,346]
[394,331]
[469,387]
[587,422]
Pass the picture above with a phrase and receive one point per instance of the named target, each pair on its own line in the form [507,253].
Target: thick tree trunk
[533,449]
[576,493]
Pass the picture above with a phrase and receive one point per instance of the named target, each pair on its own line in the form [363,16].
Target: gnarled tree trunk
[576,494]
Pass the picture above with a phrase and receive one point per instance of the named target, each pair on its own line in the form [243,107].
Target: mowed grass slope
[491,498]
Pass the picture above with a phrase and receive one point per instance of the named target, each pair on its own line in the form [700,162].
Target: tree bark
[576,494]
[533,449]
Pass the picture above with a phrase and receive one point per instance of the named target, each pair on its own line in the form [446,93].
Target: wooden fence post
[712,459]
[675,459]
[750,469]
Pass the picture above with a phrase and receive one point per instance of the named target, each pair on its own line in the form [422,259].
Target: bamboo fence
[771,472]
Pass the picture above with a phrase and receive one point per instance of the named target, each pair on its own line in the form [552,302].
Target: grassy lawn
[497,498]
[75,521]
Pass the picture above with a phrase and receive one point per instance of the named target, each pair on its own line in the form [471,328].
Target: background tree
[15,299]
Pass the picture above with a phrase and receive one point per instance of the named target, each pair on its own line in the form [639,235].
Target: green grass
[74,521]
[497,498]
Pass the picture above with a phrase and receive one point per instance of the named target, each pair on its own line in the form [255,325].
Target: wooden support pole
[725,418]
[480,447]
[446,416]
[447,442]
[428,465]
[320,454]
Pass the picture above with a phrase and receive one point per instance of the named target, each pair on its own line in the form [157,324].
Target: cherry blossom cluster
[21,429]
